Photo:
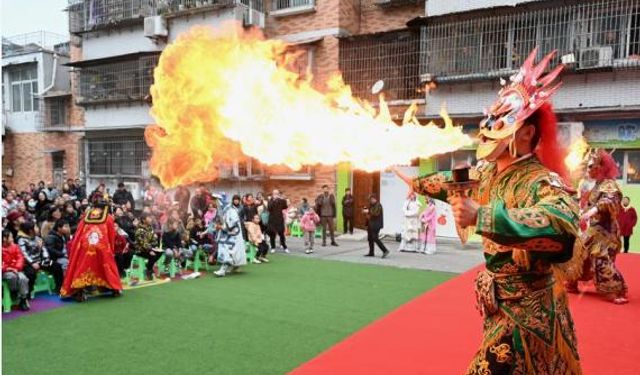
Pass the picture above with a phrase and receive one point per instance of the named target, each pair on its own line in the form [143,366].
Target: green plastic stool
[251,252]
[296,229]
[199,261]
[7,302]
[44,283]
[138,266]
[162,268]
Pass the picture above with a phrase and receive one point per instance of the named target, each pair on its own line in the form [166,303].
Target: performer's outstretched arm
[548,225]
[428,185]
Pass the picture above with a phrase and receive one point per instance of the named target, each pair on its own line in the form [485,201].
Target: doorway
[364,184]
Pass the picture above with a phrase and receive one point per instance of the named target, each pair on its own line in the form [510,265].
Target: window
[633,167]
[57,160]
[58,112]
[114,156]
[24,86]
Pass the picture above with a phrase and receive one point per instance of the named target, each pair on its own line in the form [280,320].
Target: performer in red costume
[91,259]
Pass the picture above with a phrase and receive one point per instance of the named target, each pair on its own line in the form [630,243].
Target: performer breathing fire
[528,220]
[91,259]
[602,236]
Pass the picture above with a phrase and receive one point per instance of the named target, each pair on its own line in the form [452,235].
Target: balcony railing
[177,6]
[117,156]
[590,35]
[120,81]
[393,57]
[90,15]
[34,41]
[288,4]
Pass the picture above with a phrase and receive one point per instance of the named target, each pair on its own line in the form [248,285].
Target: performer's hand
[465,210]
[152,253]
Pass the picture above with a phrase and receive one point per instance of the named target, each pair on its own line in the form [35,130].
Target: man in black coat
[277,204]
[374,224]
[347,211]
[122,196]
[56,245]
[326,209]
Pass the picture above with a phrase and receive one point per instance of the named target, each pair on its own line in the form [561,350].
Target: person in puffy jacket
[308,223]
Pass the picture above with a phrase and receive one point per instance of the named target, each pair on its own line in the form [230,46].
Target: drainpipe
[53,76]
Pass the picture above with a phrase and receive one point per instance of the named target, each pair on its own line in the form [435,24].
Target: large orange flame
[577,151]
[223,93]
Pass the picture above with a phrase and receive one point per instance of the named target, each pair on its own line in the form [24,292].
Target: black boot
[24,305]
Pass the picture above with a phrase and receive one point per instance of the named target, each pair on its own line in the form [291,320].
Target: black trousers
[263,249]
[272,238]
[55,270]
[625,240]
[151,259]
[373,237]
[124,262]
[347,222]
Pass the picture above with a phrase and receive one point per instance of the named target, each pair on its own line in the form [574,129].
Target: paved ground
[451,256]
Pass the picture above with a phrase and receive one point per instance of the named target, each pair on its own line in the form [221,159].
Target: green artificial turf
[266,320]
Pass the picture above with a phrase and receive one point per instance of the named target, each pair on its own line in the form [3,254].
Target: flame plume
[575,156]
[220,94]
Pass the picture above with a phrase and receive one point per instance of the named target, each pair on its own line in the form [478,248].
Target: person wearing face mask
[627,218]
[231,246]
[528,220]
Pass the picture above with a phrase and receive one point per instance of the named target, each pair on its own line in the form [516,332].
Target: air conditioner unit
[595,57]
[253,17]
[155,27]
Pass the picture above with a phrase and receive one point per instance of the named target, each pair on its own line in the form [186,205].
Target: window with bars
[288,4]
[597,33]
[89,15]
[120,81]
[392,57]
[23,81]
[117,156]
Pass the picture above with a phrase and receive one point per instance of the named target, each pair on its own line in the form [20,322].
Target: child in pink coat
[428,232]
[308,223]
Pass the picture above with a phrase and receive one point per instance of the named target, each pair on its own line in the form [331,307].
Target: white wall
[22,122]
[393,193]
[114,117]
[119,42]
[440,7]
[215,18]
[579,92]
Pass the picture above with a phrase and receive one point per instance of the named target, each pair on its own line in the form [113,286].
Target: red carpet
[438,333]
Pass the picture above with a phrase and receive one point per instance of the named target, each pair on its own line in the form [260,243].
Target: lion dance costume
[528,223]
[91,258]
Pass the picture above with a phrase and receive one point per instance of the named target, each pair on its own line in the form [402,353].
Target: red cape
[91,255]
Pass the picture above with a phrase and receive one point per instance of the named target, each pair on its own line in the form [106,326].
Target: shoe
[116,293]
[286,250]
[307,251]
[368,255]
[255,261]
[219,273]
[234,268]
[273,250]
[264,260]
[334,244]
[620,301]
[385,254]
[24,305]
[310,251]
[324,244]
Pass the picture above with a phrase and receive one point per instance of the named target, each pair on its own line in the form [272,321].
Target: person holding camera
[56,245]
[374,225]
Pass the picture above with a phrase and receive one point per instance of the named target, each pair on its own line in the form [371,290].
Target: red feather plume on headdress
[608,164]
[549,151]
